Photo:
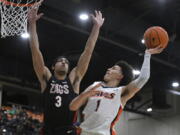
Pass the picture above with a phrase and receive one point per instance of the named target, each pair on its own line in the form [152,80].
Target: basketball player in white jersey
[105,100]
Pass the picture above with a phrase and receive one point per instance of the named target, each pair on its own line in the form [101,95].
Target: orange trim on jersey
[112,131]
[75,117]
[78,130]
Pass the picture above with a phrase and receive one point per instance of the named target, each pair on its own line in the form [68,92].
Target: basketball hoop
[14,15]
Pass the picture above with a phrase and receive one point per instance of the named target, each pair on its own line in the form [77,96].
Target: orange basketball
[156,36]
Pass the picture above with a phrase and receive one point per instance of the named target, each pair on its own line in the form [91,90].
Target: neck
[59,77]
[112,83]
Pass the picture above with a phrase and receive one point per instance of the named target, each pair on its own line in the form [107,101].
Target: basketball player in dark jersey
[59,89]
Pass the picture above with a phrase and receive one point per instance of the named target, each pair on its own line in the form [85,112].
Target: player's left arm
[79,71]
[82,99]
[133,87]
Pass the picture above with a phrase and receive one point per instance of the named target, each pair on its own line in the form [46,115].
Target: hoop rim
[17,5]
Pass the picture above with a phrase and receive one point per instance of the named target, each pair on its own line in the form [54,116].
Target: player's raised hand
[156,50]
[33,15]
[98,20]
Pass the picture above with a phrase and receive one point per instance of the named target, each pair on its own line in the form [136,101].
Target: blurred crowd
[15,120]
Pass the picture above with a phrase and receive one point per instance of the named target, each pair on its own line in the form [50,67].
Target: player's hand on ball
[98,20]
[156,50]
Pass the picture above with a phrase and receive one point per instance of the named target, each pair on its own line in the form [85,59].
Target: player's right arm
[133,87]
[42,72]
[83,97]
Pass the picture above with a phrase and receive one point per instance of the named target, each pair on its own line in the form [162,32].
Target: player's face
[61,66]
[113,73]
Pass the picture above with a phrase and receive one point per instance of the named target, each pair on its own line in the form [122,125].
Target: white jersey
[102,111]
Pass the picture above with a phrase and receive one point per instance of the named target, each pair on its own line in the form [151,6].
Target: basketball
[156,36]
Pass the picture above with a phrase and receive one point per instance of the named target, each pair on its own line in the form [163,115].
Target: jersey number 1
[98,104]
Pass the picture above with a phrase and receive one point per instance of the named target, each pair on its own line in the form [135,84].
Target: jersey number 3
[58,101]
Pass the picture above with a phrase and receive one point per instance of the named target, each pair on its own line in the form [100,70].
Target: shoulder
[47,73]
[93,85]
[122,88]
[96,84]
[45,84]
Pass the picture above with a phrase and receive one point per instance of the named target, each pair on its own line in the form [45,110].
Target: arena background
[61,32]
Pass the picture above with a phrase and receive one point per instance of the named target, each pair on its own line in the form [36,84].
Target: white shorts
[87,133]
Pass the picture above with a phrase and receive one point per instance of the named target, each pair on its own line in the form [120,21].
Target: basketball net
[14,17]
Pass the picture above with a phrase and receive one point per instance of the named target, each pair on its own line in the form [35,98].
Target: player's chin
[62,69]
[106,78]
[62,72]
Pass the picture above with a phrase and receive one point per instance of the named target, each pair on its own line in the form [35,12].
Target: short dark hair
[126,71]
[60,57]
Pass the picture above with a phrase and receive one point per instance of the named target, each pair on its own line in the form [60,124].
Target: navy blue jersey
[57,97]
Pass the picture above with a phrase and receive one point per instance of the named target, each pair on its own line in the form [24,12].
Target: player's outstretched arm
[132,88]
[42,72]
[77,74]
[83,97]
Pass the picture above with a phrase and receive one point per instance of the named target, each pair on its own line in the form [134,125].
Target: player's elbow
[73,107]
[140,82]
[144,79]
